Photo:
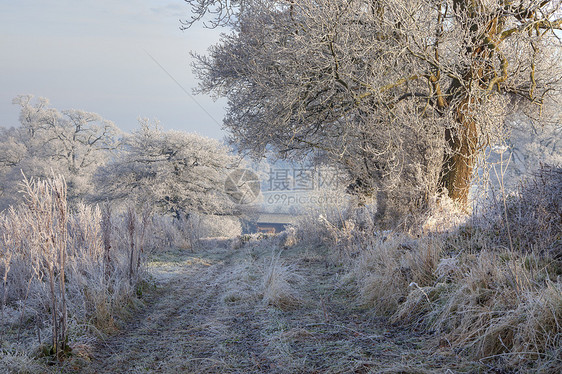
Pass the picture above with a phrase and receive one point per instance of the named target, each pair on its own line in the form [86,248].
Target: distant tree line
[171,171]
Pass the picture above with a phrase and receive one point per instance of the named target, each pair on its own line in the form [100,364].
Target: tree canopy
[71,142]
[171,171]
[177,172]
[388,89]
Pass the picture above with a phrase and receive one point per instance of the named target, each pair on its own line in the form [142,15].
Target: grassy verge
[492,289]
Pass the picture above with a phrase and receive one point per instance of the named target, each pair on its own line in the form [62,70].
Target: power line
[182,88]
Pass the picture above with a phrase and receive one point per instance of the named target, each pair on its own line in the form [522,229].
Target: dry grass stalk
[6,260]
[137,228]
[106,235]
[389,266]
[47,218]
[277,285]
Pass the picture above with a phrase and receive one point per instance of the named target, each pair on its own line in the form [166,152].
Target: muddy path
[259,309]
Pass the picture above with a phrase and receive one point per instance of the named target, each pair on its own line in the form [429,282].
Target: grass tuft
[278,289]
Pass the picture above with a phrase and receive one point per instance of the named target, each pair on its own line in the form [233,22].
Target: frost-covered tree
[73,143]
[177,172]
[12,150]
[394,91]
[77,138]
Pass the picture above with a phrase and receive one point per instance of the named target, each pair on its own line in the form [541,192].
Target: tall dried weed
[62,269]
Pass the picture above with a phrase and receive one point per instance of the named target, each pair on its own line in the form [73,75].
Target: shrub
[530,219]
[213,226]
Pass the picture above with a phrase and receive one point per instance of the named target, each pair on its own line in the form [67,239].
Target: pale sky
[90,55]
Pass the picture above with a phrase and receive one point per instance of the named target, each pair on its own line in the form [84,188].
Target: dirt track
[207,314]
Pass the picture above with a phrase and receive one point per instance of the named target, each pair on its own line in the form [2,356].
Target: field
[329,295]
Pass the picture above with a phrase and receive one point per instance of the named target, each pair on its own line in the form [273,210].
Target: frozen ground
[239,311]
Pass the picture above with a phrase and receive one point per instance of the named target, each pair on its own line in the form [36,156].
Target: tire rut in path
[159,338]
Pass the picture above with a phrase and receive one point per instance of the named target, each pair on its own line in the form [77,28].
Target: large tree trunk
[456,174]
